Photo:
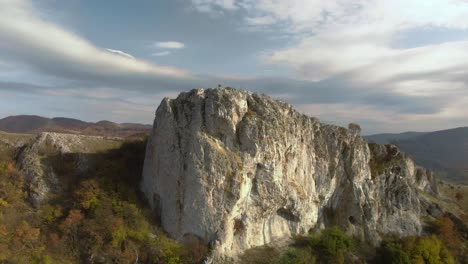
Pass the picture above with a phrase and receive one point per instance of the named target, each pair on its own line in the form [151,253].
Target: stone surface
[37,157]
[239,170]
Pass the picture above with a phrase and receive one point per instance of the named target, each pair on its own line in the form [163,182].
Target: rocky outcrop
[388,159]
[42,157]
[238,169]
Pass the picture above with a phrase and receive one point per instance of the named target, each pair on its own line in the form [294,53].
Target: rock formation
[40,158]
[238,169]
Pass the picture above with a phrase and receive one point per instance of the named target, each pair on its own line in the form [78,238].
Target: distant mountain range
[445,151]
[388,138]
[36,124]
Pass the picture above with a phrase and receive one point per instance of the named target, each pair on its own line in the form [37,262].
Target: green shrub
[393,253]
[417,250]
[333,244]
[427,250]
[50,213]
[297,256]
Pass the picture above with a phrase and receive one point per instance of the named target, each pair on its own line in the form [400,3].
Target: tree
[418,250]
[88,194]
[427,250]
[393,253]
[50,213]
[25,234]
[333,244]
[354,128]
[446,230]
[69,228]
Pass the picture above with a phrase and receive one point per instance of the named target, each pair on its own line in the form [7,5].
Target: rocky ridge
[36,160]
[238,169]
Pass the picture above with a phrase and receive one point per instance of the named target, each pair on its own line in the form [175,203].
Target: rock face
[40,158]
[238,169]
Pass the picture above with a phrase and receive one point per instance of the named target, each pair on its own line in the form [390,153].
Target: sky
[391,66]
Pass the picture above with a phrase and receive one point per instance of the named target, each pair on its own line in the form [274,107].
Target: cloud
[343,59]
[260,21]
[121,53]
[347,53]
[161,53]
[49,48]
[100,104]
[356,36]
[210,5]
[316,15]
[170,45]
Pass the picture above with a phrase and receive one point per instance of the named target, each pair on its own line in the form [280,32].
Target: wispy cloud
[170,45]
[209,5]
[50,48]
[161,53]
[121,53]
[260,20]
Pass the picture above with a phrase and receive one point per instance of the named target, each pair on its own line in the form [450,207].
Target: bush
[418,250]
[333,244]
[297,256]
[393,253]
[50,214]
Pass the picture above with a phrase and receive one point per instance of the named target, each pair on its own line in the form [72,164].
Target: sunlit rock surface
[239,169]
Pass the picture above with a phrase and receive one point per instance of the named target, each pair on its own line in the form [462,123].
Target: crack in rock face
[238,169]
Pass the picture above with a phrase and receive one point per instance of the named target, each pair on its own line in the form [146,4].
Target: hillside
[35,124]
[387,138]
[444,151]
[90,209]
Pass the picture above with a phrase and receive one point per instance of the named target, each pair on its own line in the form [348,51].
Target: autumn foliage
[99,217]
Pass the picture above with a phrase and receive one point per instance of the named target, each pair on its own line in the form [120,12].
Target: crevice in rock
[157,208]
[288,215]
[238,227]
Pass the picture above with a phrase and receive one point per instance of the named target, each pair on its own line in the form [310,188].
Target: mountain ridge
[33,124]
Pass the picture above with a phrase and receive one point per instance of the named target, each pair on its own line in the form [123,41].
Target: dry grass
[12,138]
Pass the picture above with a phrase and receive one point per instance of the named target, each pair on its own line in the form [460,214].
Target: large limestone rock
[239,169]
